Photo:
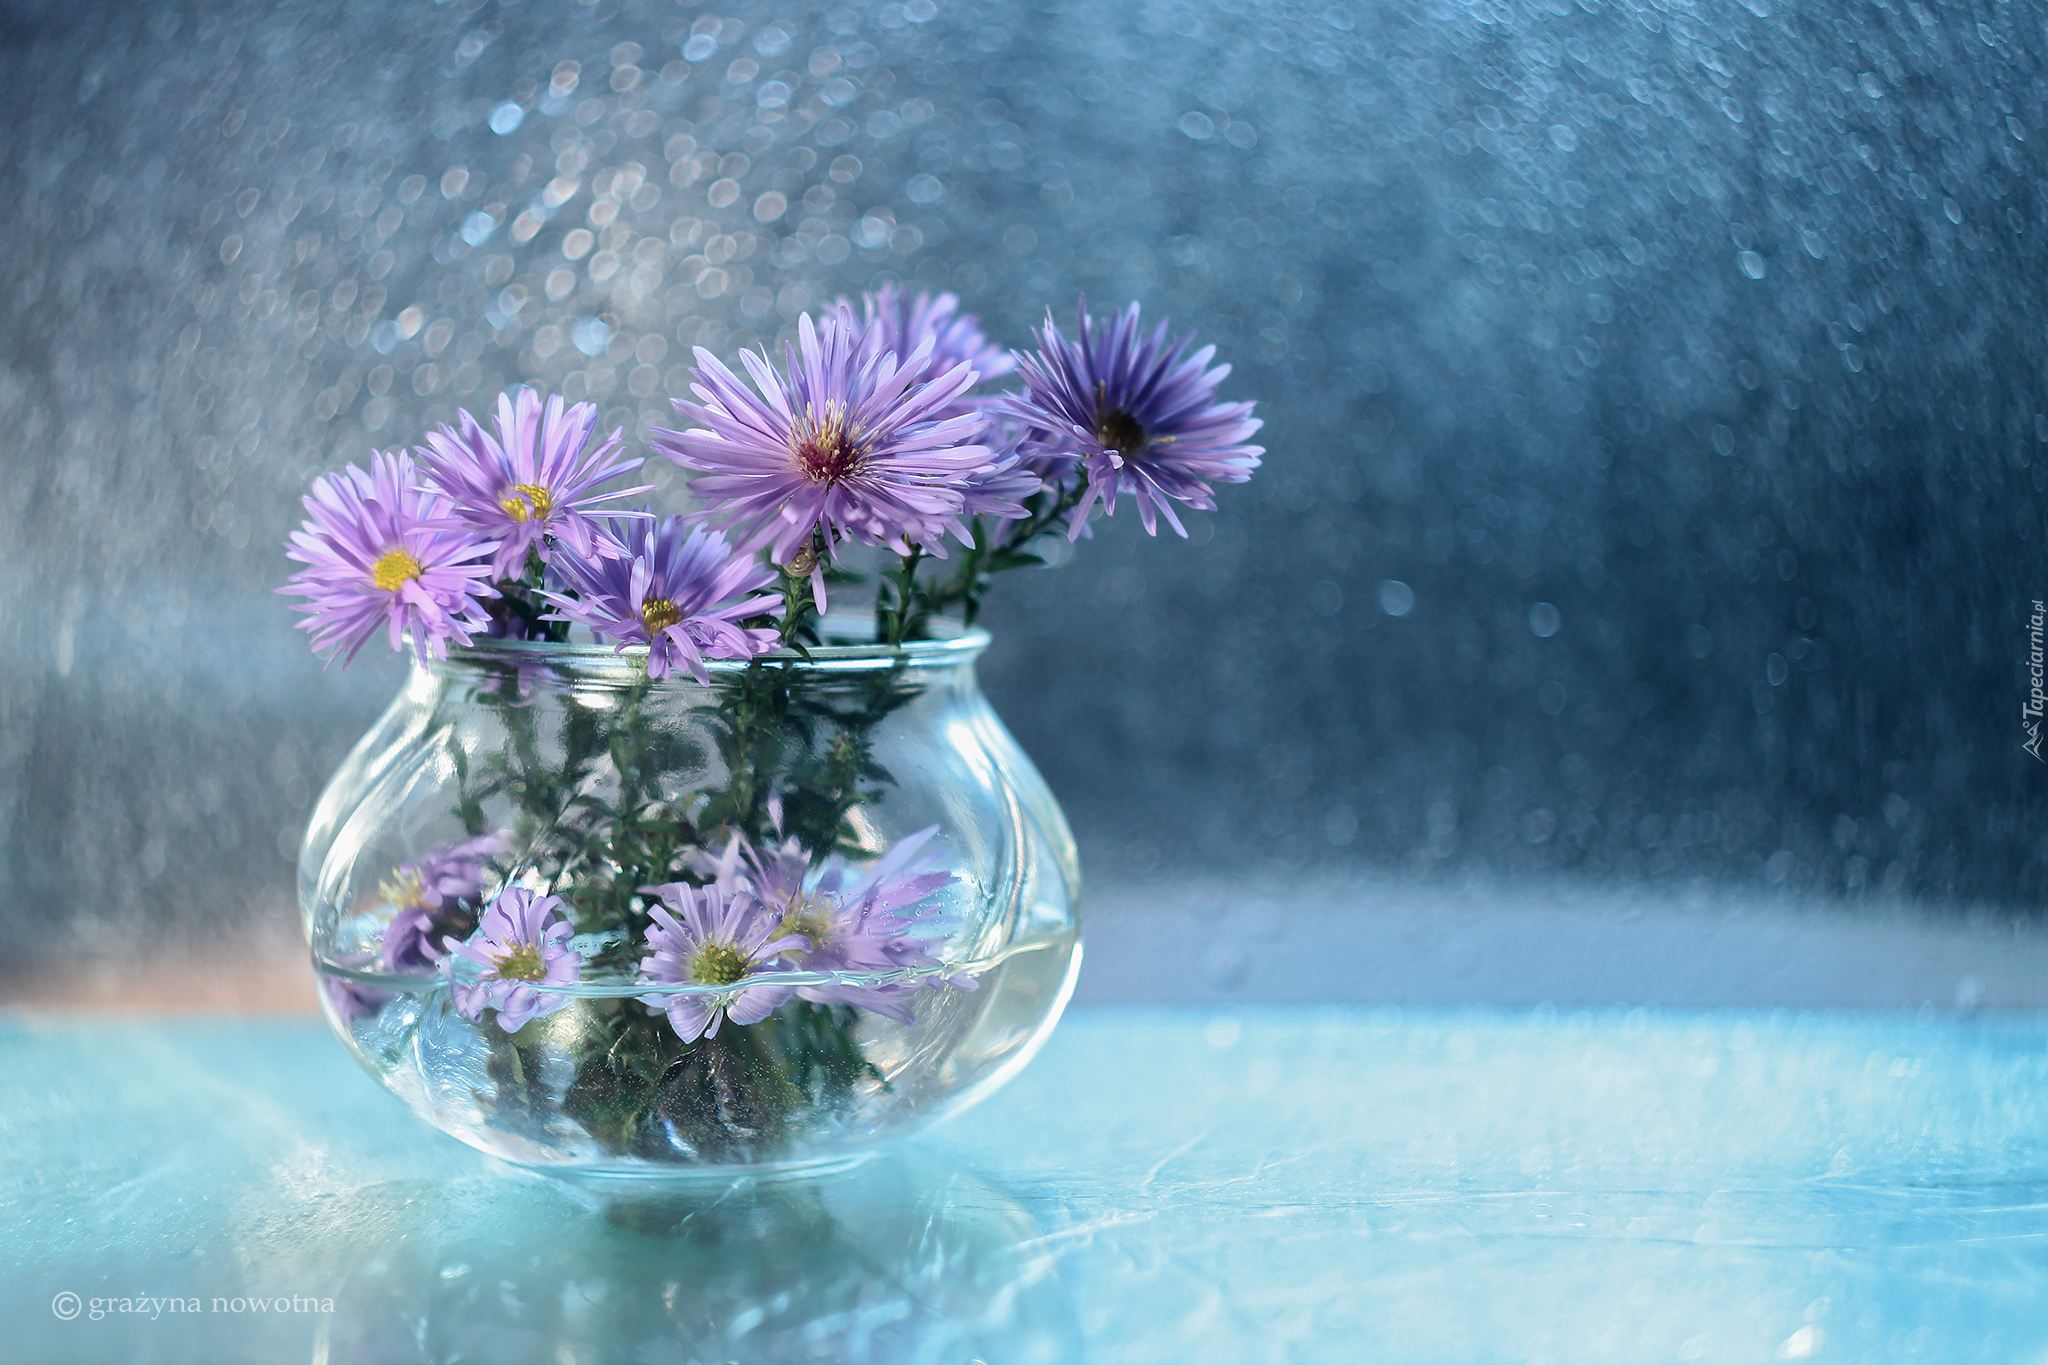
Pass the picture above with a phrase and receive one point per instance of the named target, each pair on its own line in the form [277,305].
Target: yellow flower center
[807,917]
[405,890]
[658,614]
[825,448]
[718,964]
[522,964]
[394,570]
[527,501]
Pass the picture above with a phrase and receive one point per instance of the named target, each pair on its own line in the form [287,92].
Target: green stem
[906,591]
[797,609]
[961,586]
[1043,520]
[982,560]
[799,603]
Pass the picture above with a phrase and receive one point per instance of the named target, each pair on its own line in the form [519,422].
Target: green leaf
[1015,559]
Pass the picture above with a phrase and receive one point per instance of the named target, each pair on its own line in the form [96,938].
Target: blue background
[1653,395]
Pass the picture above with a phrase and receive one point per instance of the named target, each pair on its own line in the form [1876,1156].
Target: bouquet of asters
[671,928]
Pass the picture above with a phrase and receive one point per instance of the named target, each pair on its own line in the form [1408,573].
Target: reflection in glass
[895,1260]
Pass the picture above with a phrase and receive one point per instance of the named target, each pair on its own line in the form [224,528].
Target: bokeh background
[1654,392]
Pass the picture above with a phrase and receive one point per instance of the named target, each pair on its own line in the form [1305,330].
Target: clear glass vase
[564,770]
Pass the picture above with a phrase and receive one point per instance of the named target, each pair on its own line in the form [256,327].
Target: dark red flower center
[825,448]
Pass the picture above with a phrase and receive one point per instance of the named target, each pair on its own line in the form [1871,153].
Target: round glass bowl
[862,808]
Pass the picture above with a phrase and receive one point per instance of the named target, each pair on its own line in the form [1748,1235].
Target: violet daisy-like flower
[428,895]
[381,553]
[709,936]
[848,924]
[852,442]
[1137,414]
[351,1000]
[892,320]
[535,479]
[521,946]
[682,595]
[1001,489]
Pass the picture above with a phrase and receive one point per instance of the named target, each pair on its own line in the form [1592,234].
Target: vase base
[609,1181]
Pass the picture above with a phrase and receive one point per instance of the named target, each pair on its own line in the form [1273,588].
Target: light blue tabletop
[1159,1186]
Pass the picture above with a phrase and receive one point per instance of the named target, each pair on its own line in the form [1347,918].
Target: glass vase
[863,782]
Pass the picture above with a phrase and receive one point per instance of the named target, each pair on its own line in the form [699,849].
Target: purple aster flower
[351,1000]
[380,552]
[681,596]
[1135,415]
[707,936]
[1001,489]
[853,442]
[894,321]
[428,896]
[853,925]
[533,482]
[523,941]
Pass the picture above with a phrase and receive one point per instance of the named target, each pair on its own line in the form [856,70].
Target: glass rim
[960,644]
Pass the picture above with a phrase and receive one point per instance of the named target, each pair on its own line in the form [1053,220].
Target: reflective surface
[1166,1186]
[902,1260]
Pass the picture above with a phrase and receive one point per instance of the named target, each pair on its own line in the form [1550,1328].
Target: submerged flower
[1135,415]
[707,936]
[380,553]
[535,479]
[522,944]
[852,442]
[854,925]
[683,596]
[428,895]
[891,320]
[351,1000]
